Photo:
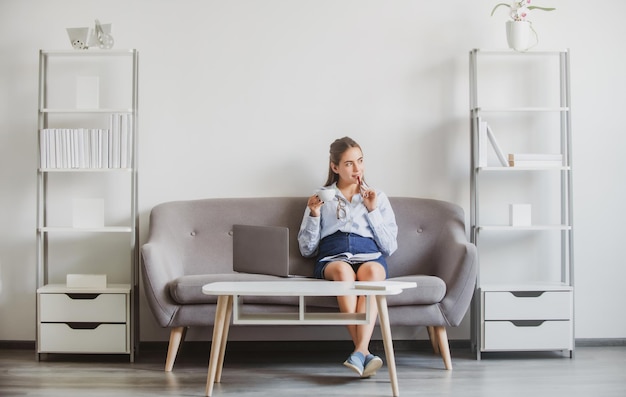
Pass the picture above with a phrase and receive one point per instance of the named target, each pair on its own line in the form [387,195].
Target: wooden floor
[594,371]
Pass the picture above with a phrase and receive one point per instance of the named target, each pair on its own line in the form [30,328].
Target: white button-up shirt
[380,224]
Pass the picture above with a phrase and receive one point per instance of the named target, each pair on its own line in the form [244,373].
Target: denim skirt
[340,242]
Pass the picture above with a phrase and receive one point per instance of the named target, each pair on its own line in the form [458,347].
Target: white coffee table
[229,303]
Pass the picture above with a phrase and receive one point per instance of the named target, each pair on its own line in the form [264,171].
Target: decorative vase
[519,35]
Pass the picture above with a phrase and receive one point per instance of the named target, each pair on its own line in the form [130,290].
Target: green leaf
[498,5]
[541,8]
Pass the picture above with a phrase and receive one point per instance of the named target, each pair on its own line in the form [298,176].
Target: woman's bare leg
[341,271]
[369,271]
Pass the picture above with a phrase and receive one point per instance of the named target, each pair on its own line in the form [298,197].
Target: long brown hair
[337,149]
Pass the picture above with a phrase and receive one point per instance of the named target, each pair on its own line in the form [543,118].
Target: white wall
[243,97]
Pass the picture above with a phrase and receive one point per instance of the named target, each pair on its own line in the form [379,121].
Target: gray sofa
[190,244]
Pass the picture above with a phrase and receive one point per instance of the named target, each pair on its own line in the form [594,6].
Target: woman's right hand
[314,204]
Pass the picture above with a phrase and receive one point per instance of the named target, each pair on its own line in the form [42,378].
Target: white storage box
[98,281]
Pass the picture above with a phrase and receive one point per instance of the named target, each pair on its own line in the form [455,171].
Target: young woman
[358,220]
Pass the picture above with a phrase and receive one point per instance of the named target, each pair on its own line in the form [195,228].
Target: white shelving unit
[524,295]
[98,140]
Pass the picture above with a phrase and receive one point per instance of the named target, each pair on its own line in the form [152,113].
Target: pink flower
[520,10]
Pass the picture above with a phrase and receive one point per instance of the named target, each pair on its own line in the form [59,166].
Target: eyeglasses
[341,208]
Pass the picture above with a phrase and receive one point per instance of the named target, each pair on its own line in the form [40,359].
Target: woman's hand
[314,204]
[369,195]
[369,199]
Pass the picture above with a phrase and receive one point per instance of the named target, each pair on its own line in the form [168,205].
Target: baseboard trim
[399,345]
[600,342]
[17,344]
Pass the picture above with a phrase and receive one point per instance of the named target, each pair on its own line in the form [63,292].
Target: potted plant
[519,28]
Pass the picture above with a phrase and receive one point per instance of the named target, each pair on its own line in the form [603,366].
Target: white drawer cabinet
[527,335]
[83,338]
[83,307]
[527,320]
[528,305]
[83,321]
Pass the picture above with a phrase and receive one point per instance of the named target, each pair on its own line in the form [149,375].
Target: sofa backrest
[200,231]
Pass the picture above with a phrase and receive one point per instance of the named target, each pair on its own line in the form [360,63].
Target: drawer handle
[528,323]
[527,294]
[83,325]
[79,296]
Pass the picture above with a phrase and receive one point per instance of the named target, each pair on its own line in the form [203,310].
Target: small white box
[520,214]
[86,280]
[88,213]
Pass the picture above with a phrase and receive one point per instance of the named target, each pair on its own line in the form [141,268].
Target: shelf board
[297,319]
[63,289]
[517,53]
[85,169]
[526,286]
[89,52]
[530,227]
[518,168]
[86,111]
[106,229]
[522,109]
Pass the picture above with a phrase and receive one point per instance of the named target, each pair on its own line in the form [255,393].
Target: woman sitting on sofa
[360,221]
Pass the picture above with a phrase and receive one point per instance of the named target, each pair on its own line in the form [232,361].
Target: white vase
[519,35]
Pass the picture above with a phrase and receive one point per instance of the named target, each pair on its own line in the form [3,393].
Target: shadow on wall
[444,146]
[448,170]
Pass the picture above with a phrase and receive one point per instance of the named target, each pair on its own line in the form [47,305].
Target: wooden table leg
[218,331]
[383,317]
[220,363]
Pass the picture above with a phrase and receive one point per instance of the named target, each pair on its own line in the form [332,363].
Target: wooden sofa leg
[433,338]
[177,334]
[444,347]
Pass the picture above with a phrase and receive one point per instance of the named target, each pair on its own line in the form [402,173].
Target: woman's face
[350,167]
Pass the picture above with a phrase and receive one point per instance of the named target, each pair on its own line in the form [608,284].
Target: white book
[74,160]
[43,148]
[115,141]
[535,156]
[100,134]
[124,140]
[52,145]
[65,141]
[59,147]
[496,147]
[130,128]
[95,147]
[85,149]
[105,149]
[482,143]
[352,258]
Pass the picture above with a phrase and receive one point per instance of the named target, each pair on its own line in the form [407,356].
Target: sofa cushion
[188,290]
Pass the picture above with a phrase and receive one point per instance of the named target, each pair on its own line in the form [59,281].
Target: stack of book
[87,147]
[535,160]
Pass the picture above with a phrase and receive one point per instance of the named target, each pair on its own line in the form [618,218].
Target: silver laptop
[261,250]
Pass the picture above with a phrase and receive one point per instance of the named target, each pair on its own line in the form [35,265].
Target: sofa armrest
[158,269]
[456,264]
